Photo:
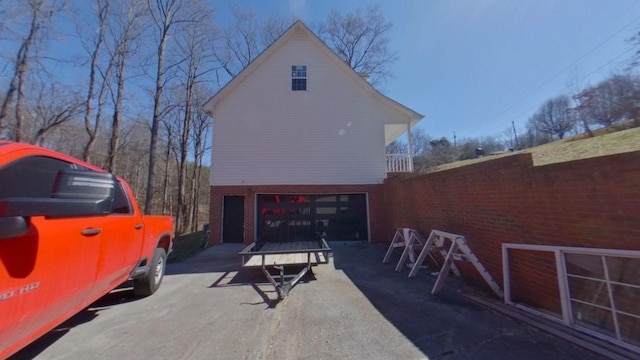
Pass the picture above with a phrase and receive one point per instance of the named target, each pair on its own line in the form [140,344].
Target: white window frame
[563,287]
[295,69]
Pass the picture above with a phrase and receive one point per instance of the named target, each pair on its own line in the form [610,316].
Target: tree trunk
[21,66]
[165,183]
[157,107]
[184,150]
[195,194]
[587,129]
[7,100]
[17,136]
[92,129]
[112,157]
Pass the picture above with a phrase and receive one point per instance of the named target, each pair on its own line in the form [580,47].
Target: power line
[529,110]
[545,83]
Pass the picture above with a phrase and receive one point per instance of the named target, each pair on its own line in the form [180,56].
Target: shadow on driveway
[224,259]
[444,326]
[121,295]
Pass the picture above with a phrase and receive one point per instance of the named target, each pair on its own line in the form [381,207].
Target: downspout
[410,146]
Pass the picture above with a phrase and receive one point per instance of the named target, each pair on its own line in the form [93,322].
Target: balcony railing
[399,163]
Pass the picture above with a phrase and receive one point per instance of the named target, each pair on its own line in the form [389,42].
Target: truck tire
[148,284]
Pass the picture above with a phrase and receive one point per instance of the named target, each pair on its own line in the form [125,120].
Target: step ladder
[452,247]
[414,243]
[410,241]
[458,251]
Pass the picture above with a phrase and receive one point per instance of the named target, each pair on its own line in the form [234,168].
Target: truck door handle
[137,226]
[91,231]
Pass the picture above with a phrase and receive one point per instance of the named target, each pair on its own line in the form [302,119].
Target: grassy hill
[605,141]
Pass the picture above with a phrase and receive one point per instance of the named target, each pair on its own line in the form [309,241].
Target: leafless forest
[120,83]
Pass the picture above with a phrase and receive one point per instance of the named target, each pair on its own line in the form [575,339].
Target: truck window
[31,177]
[121,203]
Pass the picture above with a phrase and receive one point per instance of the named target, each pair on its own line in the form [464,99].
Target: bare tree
[397,147]
[169,149]
[420,145]
[441,151]
[578,103]
[94,47]
[41,13]
[200,144]
[196,44]
[246,37]
[51,107]
[553,117]
[125,32]
[134,141]
[612,100]
[274,26]
[239,43]
[166,15]
[360,39]
[420,141]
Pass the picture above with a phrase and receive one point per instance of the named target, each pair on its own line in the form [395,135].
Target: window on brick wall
[299,78]
[597,289]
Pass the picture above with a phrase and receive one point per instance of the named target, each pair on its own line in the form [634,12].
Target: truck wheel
[148,284]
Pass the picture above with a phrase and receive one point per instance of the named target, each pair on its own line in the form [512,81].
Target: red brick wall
[375,199]
[590,203]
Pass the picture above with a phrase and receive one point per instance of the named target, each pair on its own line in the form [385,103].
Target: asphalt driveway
[352,308]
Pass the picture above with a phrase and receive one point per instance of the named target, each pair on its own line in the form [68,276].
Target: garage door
[301,217]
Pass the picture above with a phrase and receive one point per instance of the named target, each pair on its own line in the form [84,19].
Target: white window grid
[299,71]
[563,287]
[299,77]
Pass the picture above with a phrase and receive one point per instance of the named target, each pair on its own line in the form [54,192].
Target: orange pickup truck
[69,233]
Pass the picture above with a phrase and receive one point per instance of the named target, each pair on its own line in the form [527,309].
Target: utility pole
[454,139]
[515,135]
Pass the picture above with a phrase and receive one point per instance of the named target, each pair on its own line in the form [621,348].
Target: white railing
[399,163]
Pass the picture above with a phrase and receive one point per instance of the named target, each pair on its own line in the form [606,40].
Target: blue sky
[474,66]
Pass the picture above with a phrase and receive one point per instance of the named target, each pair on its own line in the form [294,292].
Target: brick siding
[587,203]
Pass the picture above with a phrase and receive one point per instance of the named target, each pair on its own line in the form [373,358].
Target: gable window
[299,78]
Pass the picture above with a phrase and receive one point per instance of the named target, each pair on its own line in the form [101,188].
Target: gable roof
[299,26]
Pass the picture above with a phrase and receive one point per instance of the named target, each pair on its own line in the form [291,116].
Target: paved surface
[352,308]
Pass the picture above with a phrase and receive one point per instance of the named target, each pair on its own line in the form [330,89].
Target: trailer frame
[277,255]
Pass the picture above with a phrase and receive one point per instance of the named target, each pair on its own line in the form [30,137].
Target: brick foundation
[375,195]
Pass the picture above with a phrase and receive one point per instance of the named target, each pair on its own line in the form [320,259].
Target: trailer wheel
[148,284]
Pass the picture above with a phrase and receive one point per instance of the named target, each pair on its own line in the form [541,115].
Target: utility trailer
[277,255]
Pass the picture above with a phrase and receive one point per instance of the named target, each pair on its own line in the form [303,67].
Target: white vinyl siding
[267,134]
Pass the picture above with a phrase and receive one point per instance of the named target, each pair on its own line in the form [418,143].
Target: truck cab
[69,233]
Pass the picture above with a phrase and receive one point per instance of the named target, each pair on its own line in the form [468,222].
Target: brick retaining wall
[588,203]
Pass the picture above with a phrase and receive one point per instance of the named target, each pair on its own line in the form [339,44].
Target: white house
[299,147]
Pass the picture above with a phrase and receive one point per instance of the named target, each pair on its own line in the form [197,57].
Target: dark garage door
[302,217]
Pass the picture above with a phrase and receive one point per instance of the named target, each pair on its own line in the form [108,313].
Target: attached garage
[296,217]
